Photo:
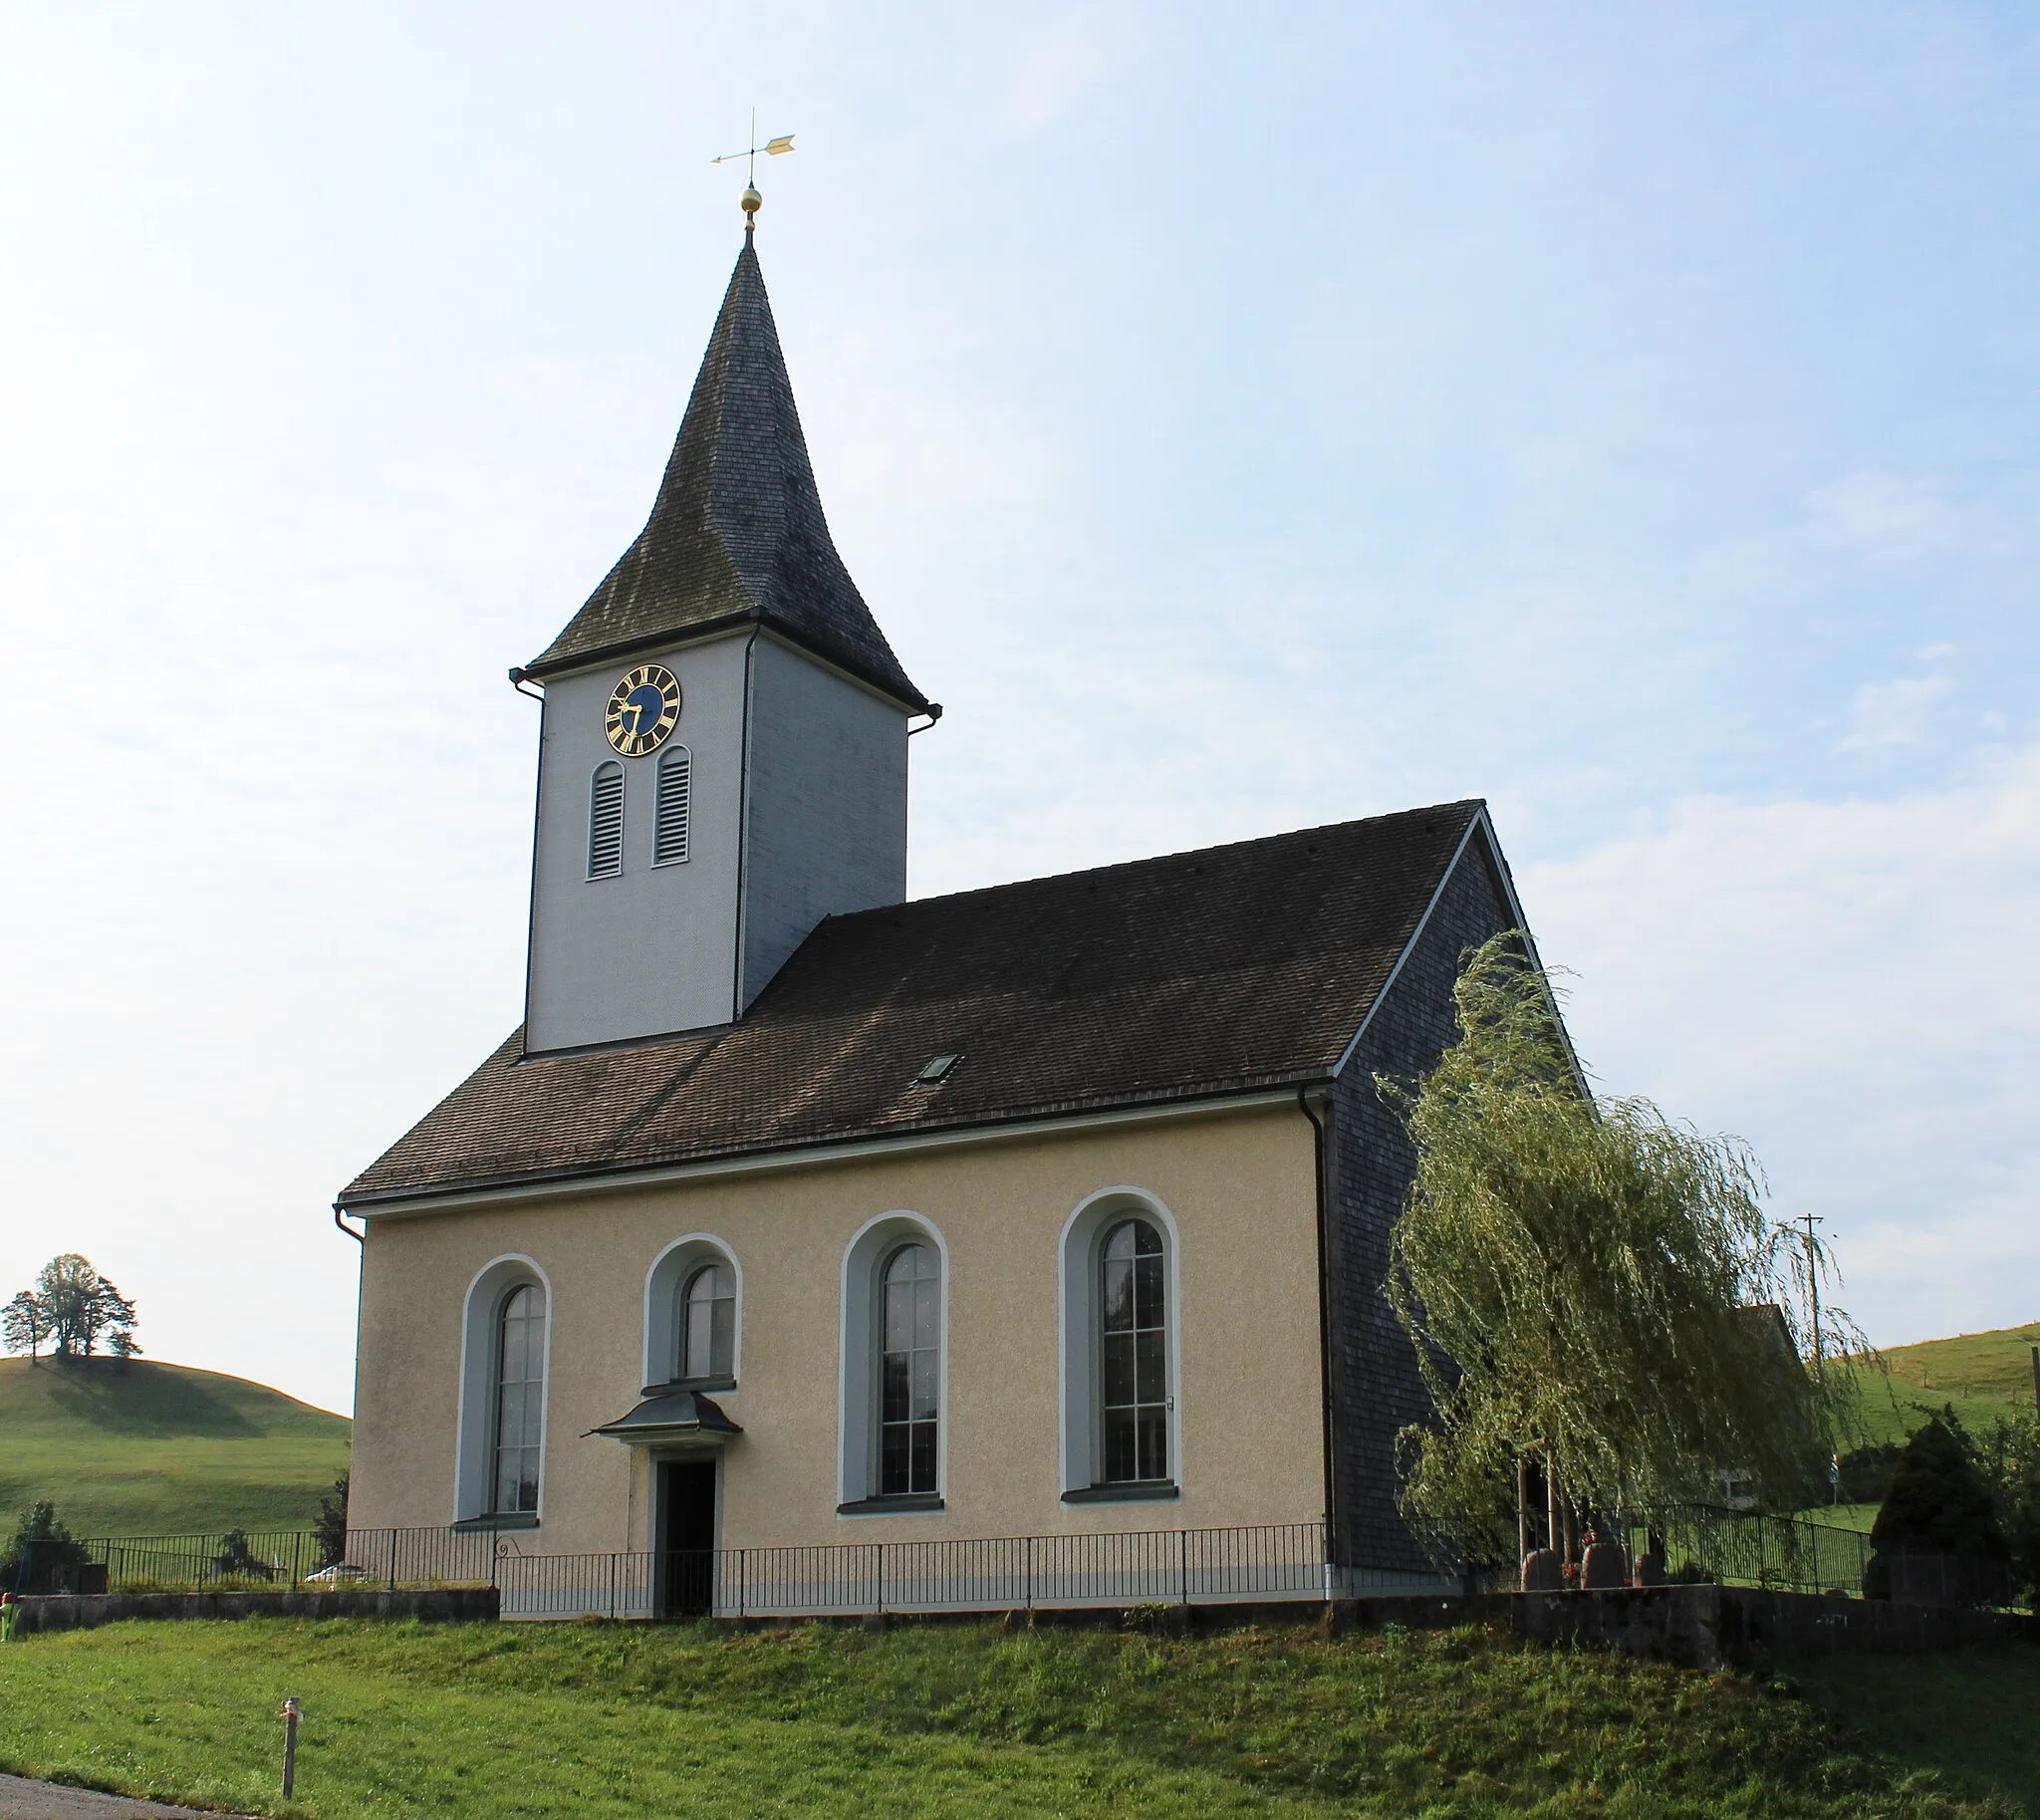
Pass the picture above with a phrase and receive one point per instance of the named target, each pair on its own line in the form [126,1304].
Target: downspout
[361,1287]
[743,903]
[1320,1156]
[524,685]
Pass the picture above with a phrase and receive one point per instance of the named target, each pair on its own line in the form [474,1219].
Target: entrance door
[686,1542]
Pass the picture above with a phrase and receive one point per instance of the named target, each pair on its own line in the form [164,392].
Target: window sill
[507,1520]
[1133,1491]
[900,1503]
[689,1384]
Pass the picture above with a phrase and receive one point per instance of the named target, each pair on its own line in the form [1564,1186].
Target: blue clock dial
[643,708]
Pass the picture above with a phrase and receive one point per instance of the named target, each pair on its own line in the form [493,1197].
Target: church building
[798,1222]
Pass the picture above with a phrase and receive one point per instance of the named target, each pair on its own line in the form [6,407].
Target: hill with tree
[132,1447]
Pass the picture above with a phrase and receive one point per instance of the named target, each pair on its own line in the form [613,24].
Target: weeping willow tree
[1587,1285]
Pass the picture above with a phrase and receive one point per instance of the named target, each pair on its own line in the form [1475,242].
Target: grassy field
[147,1449]
[598,1720]
[1983,1375]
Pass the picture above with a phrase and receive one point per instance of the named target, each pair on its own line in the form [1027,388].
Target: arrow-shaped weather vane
[752,200]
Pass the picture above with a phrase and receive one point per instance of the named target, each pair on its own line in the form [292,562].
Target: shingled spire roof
[736,533]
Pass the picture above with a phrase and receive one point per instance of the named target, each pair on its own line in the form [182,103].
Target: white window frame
[857,1396]
[664,1282]
[1079,1390]
[475,1444]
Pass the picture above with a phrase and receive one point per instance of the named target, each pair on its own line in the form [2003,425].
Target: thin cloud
[1887,714]
[1845,984]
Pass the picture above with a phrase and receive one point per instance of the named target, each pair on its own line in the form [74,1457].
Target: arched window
[669,817]
[707,1324]
[606,820]
[1132,1306]
[694,1315]
[892,1448]
[909,1371]
[520,1399]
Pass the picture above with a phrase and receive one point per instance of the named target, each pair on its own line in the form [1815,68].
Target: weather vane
[752,201]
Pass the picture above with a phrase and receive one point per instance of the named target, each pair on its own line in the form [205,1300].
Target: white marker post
[291,1712]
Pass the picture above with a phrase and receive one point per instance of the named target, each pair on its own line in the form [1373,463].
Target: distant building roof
[1196,974]
[736,533]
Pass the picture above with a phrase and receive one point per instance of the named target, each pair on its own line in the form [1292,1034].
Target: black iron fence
[1006,1573]
[1139,1567]
[1123,1568]
[1749,1548]
[293,1557]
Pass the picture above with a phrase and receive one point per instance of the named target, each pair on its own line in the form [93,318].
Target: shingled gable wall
[1376,1388]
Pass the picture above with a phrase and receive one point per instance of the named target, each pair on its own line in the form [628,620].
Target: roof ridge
[1469,802]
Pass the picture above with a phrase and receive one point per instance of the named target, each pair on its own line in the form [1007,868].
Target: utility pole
[1813,1288]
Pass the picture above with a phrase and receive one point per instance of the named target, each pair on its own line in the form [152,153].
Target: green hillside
[157,1449]
[1983,1375]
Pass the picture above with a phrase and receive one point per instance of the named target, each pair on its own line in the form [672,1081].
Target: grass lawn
[611,1720]
[1997,1365]
[154,1449]
[1983,1375]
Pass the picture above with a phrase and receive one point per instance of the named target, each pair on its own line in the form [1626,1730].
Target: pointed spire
[736,532]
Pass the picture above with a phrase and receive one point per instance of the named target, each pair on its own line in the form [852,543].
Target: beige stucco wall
[1240,1186]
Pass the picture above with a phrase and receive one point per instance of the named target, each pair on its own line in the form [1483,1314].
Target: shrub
[1939,1504]
[329,1527]
[1867,1472]
[40,1552]
[236,1557]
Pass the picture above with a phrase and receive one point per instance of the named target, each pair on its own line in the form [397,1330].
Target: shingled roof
[1197,974]
[736,533]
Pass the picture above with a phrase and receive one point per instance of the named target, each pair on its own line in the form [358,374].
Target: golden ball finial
[751,202]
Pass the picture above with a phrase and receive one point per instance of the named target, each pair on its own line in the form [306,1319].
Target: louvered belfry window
[606,822]
[670,837]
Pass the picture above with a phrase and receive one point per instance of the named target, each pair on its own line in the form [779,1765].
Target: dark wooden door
[688,1537]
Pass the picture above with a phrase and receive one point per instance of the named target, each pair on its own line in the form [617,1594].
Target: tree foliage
[2006,1455]
[31,1559]
[21,1324]
[1938,1500]
[330,1526]
[70,1310]
[2009,1455]
[1582,1280]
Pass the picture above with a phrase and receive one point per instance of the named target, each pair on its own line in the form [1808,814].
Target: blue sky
[1622,413]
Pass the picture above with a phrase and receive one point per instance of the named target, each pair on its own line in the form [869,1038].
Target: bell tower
[723,761]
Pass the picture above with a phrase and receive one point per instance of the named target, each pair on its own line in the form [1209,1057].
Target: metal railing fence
[1006,1573]
[392,1558]
[1752,1548]
[1119,1568]
[1113,1568]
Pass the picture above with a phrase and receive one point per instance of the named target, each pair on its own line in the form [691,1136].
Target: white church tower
[723,756]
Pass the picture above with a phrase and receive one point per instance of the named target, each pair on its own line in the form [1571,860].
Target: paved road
[24,1800]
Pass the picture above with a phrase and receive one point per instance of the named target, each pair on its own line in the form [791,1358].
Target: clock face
[643,709]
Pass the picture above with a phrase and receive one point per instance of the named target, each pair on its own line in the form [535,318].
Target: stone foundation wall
[87,1611]
[1704,1627]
